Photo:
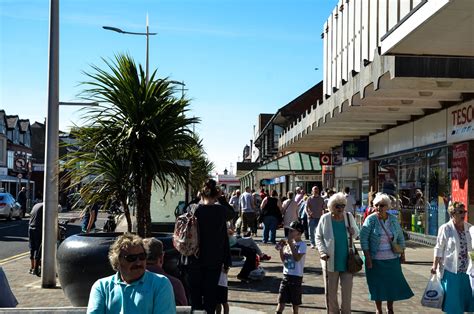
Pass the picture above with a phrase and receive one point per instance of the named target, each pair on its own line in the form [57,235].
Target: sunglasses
[380,205]
[460,212]
[458,204]
[133,257]
[340,206]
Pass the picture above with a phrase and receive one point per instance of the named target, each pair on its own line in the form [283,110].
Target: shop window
[412,192]
[10,159]
[421,185]
[388,176]
[439,189]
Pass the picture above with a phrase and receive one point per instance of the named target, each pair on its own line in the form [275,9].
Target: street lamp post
[182,86]
[50,209]
[147,34]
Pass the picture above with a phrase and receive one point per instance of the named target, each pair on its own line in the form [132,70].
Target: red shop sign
[460,173]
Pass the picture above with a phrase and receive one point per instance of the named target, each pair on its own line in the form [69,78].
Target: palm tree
[140,130]
[98,171]
[201,166]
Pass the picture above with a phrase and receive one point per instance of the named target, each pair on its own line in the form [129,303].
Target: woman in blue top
[382,265]
[332,240]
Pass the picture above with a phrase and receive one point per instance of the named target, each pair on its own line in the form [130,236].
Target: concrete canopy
[440,27]
[388,91]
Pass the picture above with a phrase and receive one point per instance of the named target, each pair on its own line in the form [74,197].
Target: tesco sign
[461,122]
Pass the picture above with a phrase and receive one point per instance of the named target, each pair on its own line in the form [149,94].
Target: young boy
[292,254]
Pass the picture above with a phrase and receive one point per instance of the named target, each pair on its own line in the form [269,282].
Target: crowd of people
[327,222]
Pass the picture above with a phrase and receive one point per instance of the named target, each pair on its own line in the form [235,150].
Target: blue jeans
[269,228]
[312,224]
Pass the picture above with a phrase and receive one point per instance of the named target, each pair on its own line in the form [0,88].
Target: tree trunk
[147,198]
[143,193]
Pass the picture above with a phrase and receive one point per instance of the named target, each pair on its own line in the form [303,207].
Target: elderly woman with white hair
[451,258]
[333,240]
[383,243]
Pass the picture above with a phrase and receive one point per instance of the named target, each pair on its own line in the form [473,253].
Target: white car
[9,208]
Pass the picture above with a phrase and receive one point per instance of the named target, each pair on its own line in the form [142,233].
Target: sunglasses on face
[458,204]
[380,205]
[340,206]
[133,257]
[460,212]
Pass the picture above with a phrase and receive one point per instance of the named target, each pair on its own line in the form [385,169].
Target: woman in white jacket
[451,258]
[332,241]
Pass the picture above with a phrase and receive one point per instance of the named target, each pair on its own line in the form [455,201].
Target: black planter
[83,258]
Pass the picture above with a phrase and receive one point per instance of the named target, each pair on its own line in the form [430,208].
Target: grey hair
[123,242]
[382,198]
[154,249]
[336,199]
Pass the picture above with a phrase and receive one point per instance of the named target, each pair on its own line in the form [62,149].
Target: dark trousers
[250,260]
[35,239]
[304,221]
[203,283]
[249,220]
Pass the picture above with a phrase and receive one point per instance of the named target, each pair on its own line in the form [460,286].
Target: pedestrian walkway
[262,295]
[255,297]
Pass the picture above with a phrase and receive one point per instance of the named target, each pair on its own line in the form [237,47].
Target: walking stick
[326,276]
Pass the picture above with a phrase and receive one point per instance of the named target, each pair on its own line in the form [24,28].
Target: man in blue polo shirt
[132,289]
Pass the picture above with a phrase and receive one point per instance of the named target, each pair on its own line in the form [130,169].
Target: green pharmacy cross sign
[355,149]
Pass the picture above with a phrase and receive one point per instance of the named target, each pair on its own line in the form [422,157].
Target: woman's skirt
[457,293]
[386,281]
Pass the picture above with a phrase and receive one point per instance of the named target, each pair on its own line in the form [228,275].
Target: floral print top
[463,257]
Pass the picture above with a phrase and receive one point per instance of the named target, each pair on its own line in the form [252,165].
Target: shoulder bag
[396,248]
[354,261]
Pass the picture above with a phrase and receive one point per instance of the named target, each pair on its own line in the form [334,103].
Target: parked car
[9,207]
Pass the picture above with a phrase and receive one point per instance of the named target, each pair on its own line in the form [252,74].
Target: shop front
[306,182]
[425,165]
[412,165]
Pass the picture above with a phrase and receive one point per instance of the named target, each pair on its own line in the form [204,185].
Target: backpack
[186,234]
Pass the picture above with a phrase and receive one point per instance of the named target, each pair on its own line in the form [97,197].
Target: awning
[294,162]
[4,178]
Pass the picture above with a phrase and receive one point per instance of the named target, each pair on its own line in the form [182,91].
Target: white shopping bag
[434,293]
[223,279]
[471,278]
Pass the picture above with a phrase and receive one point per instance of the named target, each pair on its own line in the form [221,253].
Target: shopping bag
[434,293]
[471,279]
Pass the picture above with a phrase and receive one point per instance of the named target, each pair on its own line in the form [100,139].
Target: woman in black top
[214,252]
[271,213]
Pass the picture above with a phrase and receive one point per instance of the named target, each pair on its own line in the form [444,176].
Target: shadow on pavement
[12,239]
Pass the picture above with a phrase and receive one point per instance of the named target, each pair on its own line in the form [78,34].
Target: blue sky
[237,57]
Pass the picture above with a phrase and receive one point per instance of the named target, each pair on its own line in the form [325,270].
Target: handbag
[354,261]
[396,248]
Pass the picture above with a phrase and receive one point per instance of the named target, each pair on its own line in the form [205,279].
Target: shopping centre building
[397,112]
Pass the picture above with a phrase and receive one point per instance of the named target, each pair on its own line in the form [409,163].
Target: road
[14,234]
